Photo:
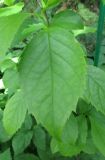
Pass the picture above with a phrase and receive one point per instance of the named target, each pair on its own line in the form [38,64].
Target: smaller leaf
[67,19]
[26,157]
[70,131]
[66,149]
[91,157]
[7,11]
[27,125]
[3,135]
[95,89]
[39,138]
[98,130]
[85,30]
[83,107]
[9,2]
[32,29]
[82,129]
[14,113]
[54,146]
[90,148]
[11,30]
[6,64]
[20,141]
[11,80]
[51,3]
[6,155]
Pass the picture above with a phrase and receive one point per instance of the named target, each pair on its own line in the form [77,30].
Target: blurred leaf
[9,2]
[3,135]
[95,89]
[8,31]
[6,155]
[70,131]
[98,130]
[20,141]
[40,138]
[82,129]
[7,11]
[11,80]
[26,157]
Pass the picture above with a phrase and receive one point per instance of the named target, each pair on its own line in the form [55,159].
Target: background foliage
[51,100]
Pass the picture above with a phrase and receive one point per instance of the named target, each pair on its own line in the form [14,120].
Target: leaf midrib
[51,71]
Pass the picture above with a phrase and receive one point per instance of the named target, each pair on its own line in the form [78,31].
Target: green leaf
[91,156]
[83,107]
[103,1]
[67,19]
[76,127]
[8,31]
[69,150]
[54,146]
[39,138]
[86,30]
[66,149]
[14,113]
[11,80]
[6,155]
[98,130]
[44,155]
[27,125]
[95,90]
[58,64]
[3,135]
[26,157]
[82,129]
[70,131]
[51,3]
[90,148]
[32,29]
[7,11]
[7,64]
[9,2]
[41,141]
[20,141]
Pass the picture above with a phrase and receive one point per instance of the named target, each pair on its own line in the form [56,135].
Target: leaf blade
[52,71]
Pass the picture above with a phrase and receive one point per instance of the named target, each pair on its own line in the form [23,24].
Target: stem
[46,17]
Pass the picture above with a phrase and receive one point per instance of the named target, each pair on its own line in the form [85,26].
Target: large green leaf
[98,130]
[95,91]
[14,113]
[68,19]
[55,69]
[8,31]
